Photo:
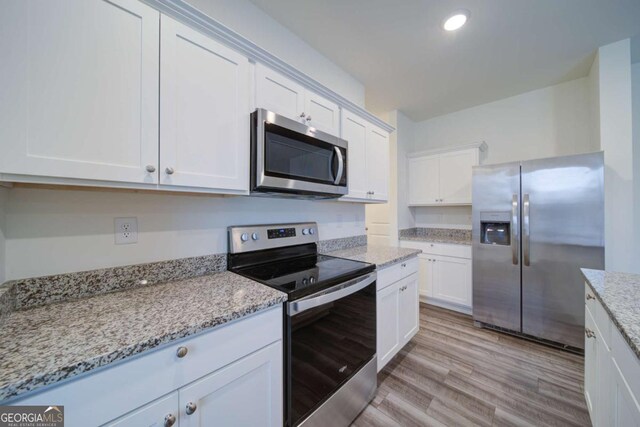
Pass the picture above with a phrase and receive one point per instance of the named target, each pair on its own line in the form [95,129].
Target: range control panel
[247,238]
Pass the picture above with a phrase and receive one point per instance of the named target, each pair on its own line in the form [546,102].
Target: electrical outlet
[126,230]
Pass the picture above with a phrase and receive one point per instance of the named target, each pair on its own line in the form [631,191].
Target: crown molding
[481,146]
[182,11]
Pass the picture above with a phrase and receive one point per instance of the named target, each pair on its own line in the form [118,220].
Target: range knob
[304,281]
[312,231]
[305,231]
[312,279]
[244,237]
[255,236]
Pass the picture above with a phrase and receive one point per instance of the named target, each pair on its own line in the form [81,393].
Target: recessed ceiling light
[457,20]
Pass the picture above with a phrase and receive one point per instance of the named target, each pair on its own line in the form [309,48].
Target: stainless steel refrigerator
[535,224]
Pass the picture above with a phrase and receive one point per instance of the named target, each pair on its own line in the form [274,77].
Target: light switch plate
[126,230]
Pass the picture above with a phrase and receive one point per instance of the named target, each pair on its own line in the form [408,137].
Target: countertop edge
[437,241]
[632,345]
[399,259]
[87,366]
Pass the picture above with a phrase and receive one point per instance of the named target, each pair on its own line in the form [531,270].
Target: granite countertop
[44,345]
[381,256]
[452,236]
[433,239]
[619,294]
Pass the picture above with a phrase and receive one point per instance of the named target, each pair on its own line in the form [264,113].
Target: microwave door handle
[307,304]
[340,166]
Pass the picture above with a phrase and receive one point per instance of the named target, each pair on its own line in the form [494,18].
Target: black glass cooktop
[302,276]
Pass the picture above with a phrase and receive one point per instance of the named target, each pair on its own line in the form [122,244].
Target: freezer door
[496,245]
[562,231]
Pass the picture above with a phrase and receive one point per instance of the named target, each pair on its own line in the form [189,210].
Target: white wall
[59,231]
[251,22]
[546,122]
[3,205]
[635,89]
[614,86]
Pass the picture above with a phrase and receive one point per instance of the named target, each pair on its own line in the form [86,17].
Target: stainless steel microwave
[289,158]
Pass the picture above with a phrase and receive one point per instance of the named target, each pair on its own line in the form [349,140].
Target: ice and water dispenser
[495,228]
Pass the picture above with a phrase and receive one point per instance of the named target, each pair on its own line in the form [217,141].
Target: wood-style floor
[454,374]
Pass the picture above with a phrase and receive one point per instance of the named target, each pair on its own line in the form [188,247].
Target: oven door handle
[340,165]
[330,296]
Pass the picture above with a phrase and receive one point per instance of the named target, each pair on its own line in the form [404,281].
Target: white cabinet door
[354,130]
[79,92]
[426,275]
[626,409]
[246,393]
[158,413]
[452,280]
[388,324]
[204,111]
[322,114]
[424,180]
[590,367]
[456,175]
[279,94]
[378,163]
[409,308]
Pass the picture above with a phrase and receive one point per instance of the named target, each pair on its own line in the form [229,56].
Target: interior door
[79,92]
[562,231]
[204,111]
[496,260]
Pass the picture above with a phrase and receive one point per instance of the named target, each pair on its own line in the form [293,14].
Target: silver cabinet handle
[308,118]
[514,230]
[150,168]
[589,296]
[191,408]
[340,166]
[182,352]
[169,420]
[302,115]
[526,225]
[169,170]
[589,333]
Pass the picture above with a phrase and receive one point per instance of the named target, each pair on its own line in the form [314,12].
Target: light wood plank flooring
[453,374]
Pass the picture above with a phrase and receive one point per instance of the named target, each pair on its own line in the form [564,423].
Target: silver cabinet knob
[308,118]
[169,420]
[403,264]
[169,170]
[182,352]
[244,237]
[150,168]
[589,333]
[302,115]
[589,296]
[191,408]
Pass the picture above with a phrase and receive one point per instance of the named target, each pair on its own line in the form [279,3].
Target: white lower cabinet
[397,309]
[445,276]
[229,376]
[611,371]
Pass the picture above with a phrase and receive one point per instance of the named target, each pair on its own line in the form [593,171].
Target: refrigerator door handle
[525,230]
[515,230]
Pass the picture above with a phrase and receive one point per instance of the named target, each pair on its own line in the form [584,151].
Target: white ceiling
[406,61]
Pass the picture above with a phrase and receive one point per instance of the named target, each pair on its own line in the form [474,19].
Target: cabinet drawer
[115,390]
[395,272]
[458,251]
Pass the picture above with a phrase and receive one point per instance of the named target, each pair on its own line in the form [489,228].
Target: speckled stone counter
[453,236]
[44,345]
[619,294]
[381,256]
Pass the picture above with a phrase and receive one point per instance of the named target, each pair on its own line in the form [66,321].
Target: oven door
[288,156]
[331,336]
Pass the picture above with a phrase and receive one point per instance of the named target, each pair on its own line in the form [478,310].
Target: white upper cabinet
[204,111]
[442,177]
[283,96]
[79,92]
[368,159]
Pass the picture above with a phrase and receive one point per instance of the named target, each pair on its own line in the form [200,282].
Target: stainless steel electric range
[329,321]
